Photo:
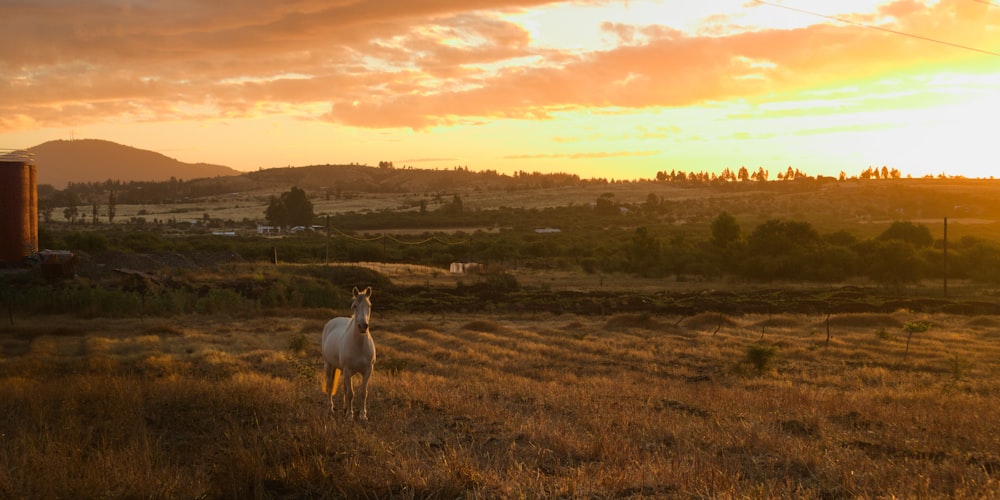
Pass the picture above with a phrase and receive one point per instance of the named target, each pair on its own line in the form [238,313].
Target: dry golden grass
[526,406]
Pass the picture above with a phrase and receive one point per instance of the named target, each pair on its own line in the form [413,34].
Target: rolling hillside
[91,160]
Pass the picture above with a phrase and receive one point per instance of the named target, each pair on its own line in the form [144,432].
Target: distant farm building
[18,207]
[465,267]
[58,264]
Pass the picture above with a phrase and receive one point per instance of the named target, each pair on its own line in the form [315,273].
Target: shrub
[884,334]
[760,357]
[298,343]
[87,241]
[220,300]
[503,281]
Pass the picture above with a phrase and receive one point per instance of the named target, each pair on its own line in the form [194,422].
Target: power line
[987,3]
[887,30]
[433,239]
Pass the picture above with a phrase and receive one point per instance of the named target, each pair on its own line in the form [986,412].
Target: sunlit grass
[524,406]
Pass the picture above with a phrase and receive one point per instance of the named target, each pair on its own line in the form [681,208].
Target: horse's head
[362,308]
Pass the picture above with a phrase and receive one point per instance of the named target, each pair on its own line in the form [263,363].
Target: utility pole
[945,245]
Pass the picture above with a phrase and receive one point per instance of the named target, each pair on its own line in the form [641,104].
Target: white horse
[348,348]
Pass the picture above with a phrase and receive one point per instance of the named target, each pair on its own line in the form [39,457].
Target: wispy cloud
[581,156]
[426,160]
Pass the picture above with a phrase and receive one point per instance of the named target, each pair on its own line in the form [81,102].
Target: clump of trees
[787,250]
[291,208]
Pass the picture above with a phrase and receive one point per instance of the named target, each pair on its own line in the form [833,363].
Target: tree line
[779,250]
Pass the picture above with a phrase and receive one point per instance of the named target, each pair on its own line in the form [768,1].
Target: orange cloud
[422,64]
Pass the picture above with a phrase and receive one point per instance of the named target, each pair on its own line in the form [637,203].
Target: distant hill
[91,160]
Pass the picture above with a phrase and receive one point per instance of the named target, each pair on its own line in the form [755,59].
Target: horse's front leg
[348,395]
[364,395]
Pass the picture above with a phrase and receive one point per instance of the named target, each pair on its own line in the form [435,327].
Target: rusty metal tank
[18,207]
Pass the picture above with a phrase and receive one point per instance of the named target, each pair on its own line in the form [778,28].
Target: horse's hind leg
[348,395]
[329,389]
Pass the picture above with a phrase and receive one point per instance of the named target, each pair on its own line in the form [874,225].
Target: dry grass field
[533,406]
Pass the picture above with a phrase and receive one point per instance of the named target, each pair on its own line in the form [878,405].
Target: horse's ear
[356,291]
[368,292]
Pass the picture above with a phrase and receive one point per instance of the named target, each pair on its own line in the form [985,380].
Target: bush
[86,241]
[220,301]
[503,281]
[761,357]
[298,343]
[143,242]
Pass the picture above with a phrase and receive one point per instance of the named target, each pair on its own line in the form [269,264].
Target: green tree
[725,231]
[112,207]
[894,262]
[455,207]
[917,235]
[652,204]
[777,237]
[780,249]
[45,209]
[71,211]
[977,259]
[644,253]
[723,249]
[605,205]
[292,208]
[276,212]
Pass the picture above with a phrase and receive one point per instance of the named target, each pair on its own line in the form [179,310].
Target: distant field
[532,405]
[252,205]
[863,208]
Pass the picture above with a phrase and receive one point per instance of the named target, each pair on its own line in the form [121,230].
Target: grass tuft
[760,357]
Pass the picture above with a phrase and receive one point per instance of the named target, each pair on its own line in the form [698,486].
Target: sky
[601,89]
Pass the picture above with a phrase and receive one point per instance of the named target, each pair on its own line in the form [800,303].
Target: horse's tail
[332,379]
[336,380]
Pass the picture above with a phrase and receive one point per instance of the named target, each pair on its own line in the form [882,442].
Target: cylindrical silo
[18,207]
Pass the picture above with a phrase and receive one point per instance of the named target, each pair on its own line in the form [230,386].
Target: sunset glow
[598,88]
